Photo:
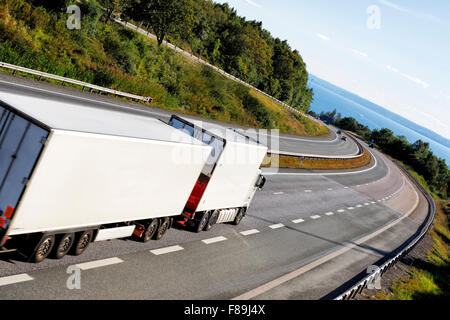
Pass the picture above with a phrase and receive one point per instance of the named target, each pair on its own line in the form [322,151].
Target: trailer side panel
[85,179]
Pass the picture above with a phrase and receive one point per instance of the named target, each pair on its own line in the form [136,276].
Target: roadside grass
[416,176]
[288,121]
[427,279]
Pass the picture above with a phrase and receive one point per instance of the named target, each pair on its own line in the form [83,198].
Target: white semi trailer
[228,181]
[71,174]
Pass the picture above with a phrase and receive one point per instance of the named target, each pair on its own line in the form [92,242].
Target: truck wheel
[239,217]
[163,226]
[212,220]
[82,241]
[63,245]
[44,248]
[201,223]
[150,231]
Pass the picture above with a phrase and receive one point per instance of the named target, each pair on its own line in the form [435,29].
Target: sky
[395,53]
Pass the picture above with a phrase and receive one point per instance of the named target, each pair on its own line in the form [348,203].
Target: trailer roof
[119,121]
[229,134]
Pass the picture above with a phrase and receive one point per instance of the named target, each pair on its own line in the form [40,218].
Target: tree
[55,5]
[163,16]
[110,6]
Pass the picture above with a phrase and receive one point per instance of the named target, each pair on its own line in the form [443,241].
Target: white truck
[71,174]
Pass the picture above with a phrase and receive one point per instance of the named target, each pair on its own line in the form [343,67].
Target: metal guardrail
[72,81]
[405,248]
[190,55]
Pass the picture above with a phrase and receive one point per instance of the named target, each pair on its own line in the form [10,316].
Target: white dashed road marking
[341,210]
[166,250]
[249,232]
[298,220]
[276,226]
[214,240]
[99,263]
[15,279]
[315,217]
[329,213]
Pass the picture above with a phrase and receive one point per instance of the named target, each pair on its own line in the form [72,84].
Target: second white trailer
[232,175]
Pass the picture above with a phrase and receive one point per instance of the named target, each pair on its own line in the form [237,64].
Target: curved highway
[305,235]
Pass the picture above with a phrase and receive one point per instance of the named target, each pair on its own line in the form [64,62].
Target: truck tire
[162,228]
[63,244]
[201,223]
[239,217]
[150,231]
[82,241]
[43,248]
[212,220]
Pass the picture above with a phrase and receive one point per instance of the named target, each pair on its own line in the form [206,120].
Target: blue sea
[328,97]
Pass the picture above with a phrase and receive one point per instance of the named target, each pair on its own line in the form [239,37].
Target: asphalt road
[304,235]
[292,223]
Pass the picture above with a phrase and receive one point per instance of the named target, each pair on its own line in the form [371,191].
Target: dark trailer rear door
[21,143]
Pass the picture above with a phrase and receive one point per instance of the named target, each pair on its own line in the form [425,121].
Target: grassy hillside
[112,56]
[239,46]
